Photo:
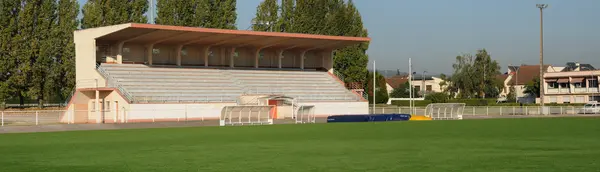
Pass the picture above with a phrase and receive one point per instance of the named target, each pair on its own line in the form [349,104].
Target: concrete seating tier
[156,84]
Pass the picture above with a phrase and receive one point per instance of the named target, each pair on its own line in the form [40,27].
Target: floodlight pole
[374,84]
[410,89]
[542,7]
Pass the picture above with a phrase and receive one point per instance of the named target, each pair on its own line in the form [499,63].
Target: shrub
[437,97]
[407,103]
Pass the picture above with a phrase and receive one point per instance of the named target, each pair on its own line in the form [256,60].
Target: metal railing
[498,110]
[164,99]
[113,83]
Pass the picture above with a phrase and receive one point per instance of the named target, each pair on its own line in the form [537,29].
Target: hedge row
[476,102]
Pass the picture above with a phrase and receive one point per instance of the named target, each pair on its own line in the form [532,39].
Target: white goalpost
[445,111]
[246,115]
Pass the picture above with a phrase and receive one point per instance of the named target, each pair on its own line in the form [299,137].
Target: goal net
[445,111]
[246,115]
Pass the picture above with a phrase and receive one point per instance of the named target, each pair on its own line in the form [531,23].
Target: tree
[309,15]
[182,13]
[222,14]
[97,13]
[286,19]
[403,91]
[64,69]
[266,16]
[9,10]
[511,96]
[474,76]
[43,53]
[437,97]
[381,94]
[533,87]
[351,62]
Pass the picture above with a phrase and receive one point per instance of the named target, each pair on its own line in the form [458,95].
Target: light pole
[516,82]
[268,24]
[542,7]
[423,83]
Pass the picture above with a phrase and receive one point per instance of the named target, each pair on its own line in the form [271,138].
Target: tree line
[474,76]
[37,50]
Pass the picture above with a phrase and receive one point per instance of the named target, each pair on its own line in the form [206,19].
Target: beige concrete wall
[289,60]
[193,57]
[339,108]
[85,52]
[170,112]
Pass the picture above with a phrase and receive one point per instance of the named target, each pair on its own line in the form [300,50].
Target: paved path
[80,127]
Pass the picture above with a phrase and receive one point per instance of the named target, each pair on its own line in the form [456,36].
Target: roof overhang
[179,35]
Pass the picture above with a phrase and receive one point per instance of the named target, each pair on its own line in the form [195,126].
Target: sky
[434,32]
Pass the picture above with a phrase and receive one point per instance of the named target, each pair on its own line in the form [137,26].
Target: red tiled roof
[501,78]
[396,81]
[527,73]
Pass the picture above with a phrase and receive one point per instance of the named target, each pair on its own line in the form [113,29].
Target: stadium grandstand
[145,72]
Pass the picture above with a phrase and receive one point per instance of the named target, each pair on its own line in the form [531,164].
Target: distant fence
[46,117]
[26,105]
[494,110]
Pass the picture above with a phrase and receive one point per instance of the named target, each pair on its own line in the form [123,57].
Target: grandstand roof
[164,34]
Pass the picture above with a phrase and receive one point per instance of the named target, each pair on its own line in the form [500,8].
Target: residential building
[425,85]
[519,77]
[576,83]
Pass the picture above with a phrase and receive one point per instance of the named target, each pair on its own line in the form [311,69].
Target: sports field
[549,144]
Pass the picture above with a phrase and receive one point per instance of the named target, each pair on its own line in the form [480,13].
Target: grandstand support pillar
[149,52]
[302,53]
[256,57]
[205,53]
[97,107]
[279,57]
[178,54]
[120,52]
[327,60]
[232,57]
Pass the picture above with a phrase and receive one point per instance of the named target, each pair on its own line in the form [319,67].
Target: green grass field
[549,144]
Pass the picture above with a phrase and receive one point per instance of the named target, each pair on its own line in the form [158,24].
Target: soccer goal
[246,115]
[445,111]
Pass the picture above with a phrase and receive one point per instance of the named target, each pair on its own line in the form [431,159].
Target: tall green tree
[43,53]
[177,12]
[286,20]
[222,14]
[63,71]
[474,76]
[309,15]
[97,13]
[266,16]
[9,10]
[381,94]
[328,17]
[351,62]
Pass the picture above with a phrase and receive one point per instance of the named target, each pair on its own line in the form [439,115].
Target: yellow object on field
[419,118]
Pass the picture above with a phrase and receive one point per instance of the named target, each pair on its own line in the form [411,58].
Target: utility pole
[423,90]
[151,19]
[374,85]
[516,82]
[542,7]
[483,82]
[410,89]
